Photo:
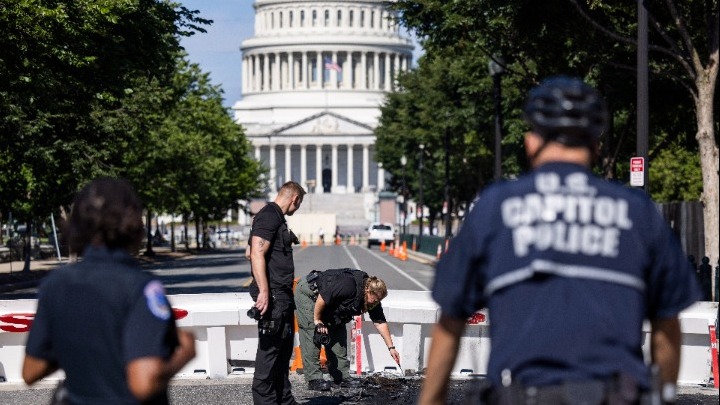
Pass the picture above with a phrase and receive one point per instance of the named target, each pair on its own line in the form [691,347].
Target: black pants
[271,384]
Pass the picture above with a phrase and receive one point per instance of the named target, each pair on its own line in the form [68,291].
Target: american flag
[330,65]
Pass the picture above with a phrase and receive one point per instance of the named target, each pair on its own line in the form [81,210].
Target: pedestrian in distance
[273,270]
[103,321]
[326,301]
[568,265]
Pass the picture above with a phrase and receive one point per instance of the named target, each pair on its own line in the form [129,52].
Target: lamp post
[403,162]
[496,68]
[419,208]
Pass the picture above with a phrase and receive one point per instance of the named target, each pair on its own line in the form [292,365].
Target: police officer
[103,320]
[273,270]
[326,301]
[569,266]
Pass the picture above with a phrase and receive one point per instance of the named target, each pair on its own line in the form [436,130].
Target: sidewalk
[12,276]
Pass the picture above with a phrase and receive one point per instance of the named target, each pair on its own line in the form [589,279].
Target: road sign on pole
[637,171]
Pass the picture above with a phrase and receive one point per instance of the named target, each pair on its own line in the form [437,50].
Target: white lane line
[355,262]
[409,277]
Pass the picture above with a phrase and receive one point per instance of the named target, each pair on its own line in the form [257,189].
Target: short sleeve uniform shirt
[569,265]
[95,317]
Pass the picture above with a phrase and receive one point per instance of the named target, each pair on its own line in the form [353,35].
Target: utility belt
[594,392]
[312,280]
[278,314]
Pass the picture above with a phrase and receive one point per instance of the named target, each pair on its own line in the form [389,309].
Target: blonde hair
[376,286]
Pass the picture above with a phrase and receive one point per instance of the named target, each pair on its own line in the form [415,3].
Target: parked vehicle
[379,232]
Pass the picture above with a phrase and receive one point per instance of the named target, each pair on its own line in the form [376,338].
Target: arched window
[362,18]
[314,18]
[339,18]
[326,23]
[290,23]
[302,18]
[272,20]
[350,18]
[280,19]
[372,19]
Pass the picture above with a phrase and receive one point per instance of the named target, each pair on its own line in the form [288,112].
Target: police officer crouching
[326,301]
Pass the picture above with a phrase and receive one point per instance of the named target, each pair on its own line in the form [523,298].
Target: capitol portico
[313,78]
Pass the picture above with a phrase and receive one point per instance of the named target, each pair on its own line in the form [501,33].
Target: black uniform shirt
[95,317]
[341,289]
[269,224]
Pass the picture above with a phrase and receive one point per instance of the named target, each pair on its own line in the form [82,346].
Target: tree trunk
[709,163]
[148,226]
[27,248]
[172,236]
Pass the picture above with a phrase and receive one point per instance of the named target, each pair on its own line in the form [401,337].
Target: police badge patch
[156,301]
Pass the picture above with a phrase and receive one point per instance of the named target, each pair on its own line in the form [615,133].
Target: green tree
[64,65]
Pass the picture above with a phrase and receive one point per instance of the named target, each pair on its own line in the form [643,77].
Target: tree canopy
[452,89]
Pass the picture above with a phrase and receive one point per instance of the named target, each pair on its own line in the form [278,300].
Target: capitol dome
[314,76]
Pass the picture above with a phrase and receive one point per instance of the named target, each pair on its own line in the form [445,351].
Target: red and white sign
[637,171]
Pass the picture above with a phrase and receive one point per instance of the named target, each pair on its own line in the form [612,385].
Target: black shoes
[319,385]
[348,383]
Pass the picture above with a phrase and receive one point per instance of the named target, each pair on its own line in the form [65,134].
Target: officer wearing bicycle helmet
[568,266]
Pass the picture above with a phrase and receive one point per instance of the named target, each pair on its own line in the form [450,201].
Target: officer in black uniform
[103,320]
[273,270]
[568,265]
[326,301]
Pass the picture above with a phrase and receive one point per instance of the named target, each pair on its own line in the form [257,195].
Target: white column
[318,169]
[256,73]
[334,168]
[388,79]
[273,170]
[288,163]
[376,71]
[319,67]
[303,164]
[365,168]
[404,64]
[257,153]
[305,71]
[334,73]
[291,71]
[276,72]
[350,185]
[363,71]
[266,73]
[349,77]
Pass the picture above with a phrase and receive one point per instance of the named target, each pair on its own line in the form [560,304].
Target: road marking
[409,277]
[355,262]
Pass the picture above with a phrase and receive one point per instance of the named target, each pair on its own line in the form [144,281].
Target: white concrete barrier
[225,335]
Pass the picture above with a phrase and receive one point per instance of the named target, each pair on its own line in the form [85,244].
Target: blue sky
[218,51]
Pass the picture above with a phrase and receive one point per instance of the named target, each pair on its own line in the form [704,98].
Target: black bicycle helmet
[566,110]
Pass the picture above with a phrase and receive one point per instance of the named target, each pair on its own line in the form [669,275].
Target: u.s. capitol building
[313,78]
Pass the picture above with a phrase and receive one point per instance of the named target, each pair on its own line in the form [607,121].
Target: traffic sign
[637,171]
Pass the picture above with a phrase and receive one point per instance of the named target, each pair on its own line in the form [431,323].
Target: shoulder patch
[156,301]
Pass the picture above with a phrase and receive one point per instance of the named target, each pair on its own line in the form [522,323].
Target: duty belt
[312,283]
[592,392]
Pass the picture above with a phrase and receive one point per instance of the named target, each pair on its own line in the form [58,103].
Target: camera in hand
[320,339]
[254,313]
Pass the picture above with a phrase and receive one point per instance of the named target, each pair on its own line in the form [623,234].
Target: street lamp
[496,66]
[419,208]
[403,162]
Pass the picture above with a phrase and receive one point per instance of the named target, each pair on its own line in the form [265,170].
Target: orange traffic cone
[382,245]
[391,250]
[403,252]
[304,243]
